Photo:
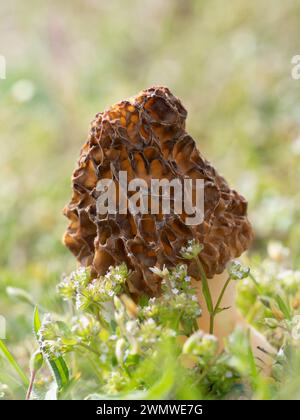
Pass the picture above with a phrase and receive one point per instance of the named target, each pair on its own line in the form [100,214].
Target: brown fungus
[145,136]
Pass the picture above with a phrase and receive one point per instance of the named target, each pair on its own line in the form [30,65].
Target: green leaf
[251,359]
[13,363]
[60,371]
[36,321]
[218,310]
[57,365]
[162,388]
[36,361]
[284,307]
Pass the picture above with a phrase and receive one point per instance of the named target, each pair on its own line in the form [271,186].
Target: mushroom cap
[145,136]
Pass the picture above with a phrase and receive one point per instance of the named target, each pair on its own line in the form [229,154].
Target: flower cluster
[178,304]
[237,271]
[139,334]
[87,291]
[272,294]
[203,345]
[51,339]
[192,250]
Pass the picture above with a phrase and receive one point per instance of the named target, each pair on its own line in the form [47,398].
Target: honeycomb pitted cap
[145,137]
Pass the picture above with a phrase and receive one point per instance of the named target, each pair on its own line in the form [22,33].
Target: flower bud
[192,250]
[36,361]
[237,271]
[117,303]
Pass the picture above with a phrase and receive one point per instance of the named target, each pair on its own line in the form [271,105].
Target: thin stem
[212,318]
[221,294]
[205,287]
[30,386]
[255,282]
[207,295]
[211,323]
[208,299]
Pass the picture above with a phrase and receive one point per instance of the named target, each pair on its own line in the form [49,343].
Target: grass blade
[13,363]
[284,307]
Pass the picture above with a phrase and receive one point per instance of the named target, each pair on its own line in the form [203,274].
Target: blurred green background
[230,64]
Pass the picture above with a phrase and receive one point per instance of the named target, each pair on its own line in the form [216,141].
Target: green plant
[105,345]
[122,341]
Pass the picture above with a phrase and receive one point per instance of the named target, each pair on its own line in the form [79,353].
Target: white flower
[161,273]
[131,326]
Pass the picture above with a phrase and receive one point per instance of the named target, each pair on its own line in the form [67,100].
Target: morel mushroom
[145,136]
